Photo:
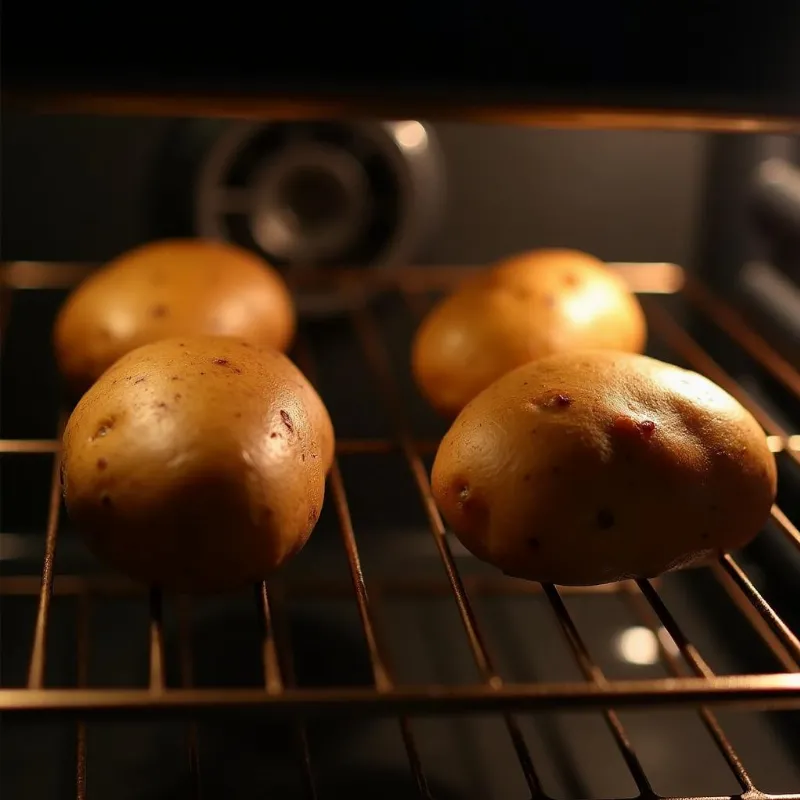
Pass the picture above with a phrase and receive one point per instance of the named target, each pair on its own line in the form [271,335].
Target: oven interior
[385,661]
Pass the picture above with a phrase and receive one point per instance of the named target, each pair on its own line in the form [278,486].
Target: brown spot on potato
[533,543]
[628,426]
[312,514]
[223,362]
[101,464]
[287,421]
[178,396]
[174,378]
[105,500]
[238,415]
[571,280]
[141,379]
[159,311]
[553,399]
[647,428]
[605,519]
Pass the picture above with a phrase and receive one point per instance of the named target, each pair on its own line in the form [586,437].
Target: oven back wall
[82,188]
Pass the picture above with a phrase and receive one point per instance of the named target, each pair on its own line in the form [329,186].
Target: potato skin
[197,464]
[525,307]
[176,287]
[590,467]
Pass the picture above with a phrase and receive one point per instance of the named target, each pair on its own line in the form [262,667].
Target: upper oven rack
[279,695]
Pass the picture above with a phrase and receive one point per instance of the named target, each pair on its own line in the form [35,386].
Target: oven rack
[280,697]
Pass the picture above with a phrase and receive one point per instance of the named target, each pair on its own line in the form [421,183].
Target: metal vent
[316,195]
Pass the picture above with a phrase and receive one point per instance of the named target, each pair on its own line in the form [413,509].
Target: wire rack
[692,682]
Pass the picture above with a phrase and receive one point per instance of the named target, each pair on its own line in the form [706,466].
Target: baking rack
[280,697]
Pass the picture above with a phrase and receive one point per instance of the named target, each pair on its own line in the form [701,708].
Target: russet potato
[177,287]
[197,463]
[590,467]
[523,308]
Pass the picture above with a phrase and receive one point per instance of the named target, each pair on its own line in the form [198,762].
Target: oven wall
[81,188]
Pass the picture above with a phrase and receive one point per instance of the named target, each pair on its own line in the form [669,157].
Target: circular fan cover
[317,195]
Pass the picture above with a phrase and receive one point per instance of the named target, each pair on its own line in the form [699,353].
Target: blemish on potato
[605,519]
[238,415]
[287,421]
[105,500]
[178,396]
[223,362]
[554,399]
[174,378]
[103,429]
[469,501]
[626,425]
[647,428]
[101,464]
[533,543]
[312,514]
[571,280]
[159,311]
[141,379]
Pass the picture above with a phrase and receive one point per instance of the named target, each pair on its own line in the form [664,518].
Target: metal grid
[280,696]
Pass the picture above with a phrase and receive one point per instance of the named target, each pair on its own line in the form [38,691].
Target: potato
[164,289]
[526,307]
[590,467]
[197,464]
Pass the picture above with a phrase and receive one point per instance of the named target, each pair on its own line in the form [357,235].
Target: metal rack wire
[279,694]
